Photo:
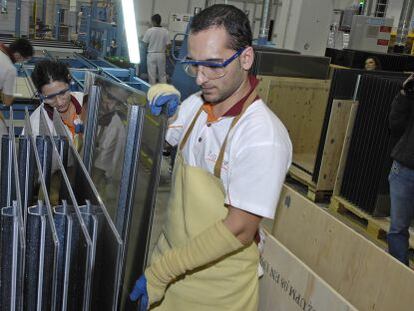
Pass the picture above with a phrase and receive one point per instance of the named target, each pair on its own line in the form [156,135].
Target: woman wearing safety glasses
[52,80]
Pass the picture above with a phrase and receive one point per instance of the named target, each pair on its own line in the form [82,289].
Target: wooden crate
[376,228]
[301,105]
[289,284]
[360,271]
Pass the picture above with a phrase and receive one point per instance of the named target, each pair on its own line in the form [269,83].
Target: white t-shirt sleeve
[166,38]
[111,148]
[9,85]
[256,177]
[180,121]
[146,37]
[176,128]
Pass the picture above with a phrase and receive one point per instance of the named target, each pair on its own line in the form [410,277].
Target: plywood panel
[301,105]
[342,116]
[289,284]
[263,87]
[361,272]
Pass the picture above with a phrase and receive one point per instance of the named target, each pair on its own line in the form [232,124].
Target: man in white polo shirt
[17,51]
[157,39]
[233,155]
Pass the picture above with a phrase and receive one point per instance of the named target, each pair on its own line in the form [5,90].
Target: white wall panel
[192,4]
[143,13]
[164,8]
[304,26]
[394,10]
[343,4]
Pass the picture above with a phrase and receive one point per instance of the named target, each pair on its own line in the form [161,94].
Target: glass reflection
[110,143]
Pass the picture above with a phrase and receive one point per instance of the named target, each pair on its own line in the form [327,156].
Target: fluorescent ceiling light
[131,31]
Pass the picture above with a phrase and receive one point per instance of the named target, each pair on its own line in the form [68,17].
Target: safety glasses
[50,99]
[211,69]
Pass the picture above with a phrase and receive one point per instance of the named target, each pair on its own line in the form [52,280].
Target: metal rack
[66,241]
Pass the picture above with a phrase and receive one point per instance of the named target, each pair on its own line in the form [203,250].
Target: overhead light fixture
[131,32]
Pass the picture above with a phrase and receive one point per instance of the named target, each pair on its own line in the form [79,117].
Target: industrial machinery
[98,29]
[370,33]
[14,17]
[303,26]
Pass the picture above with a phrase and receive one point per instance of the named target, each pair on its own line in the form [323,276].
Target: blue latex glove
[171,101]
[140,292]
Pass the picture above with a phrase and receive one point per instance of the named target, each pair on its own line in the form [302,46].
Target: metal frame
[90,217]
[12,250]
[82,227]
[18,17]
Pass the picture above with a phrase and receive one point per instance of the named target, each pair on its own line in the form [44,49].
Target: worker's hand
[162,94]
[140,292]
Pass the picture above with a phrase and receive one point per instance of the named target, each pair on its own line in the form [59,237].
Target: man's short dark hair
[234,20]
[47,71]
[156,19]
[22,46]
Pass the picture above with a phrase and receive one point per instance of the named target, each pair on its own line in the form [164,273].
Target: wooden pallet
[305,180]
[376,228]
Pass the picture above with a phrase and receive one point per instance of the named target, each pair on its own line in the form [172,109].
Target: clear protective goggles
[50,99]
[211,69]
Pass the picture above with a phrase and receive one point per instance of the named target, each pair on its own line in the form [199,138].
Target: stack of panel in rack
[364,181]
[63,244]
[344,84]
[50,254]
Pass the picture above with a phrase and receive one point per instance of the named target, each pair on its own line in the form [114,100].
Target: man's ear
[247,58]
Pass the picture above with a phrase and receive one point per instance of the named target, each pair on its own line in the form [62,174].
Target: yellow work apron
[196,203]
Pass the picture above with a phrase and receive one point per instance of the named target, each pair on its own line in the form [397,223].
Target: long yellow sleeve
[215,242]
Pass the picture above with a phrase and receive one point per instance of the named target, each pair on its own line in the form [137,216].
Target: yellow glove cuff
[212,244]
[161,88]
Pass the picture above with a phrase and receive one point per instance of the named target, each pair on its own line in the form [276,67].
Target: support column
[264,23]
[18,18]
[404,25]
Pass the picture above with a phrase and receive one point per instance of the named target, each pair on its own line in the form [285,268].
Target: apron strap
[217,167]
[190,129]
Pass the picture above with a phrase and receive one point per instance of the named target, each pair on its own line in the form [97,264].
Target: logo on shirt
[212,158]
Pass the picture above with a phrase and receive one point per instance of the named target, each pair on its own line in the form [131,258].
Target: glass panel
[78,262]
[123,132]
[41,236]
[142,211]
[107,243]
[40,260]
[12,231]
[11,258]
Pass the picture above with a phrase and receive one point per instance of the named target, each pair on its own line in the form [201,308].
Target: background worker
[52,81]
[372,63]
[233,155]
[401,177]
[18,51]
[157,39]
